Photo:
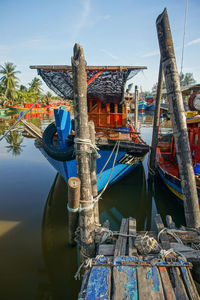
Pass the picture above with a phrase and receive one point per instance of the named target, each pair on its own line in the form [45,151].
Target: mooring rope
[107,160]
[94,200]
[172,233]
[89,143]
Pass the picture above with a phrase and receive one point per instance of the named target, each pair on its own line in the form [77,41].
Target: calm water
[36,262]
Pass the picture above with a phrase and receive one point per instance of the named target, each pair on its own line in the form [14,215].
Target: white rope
[172,233]
[164,253]
[89,143]
[94,200]
[107,160]
[86,264]
[114,161]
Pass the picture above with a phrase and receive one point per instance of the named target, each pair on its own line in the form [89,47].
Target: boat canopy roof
[106,83]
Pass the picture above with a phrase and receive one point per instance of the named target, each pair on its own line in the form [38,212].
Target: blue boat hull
[68,169]
[173,184]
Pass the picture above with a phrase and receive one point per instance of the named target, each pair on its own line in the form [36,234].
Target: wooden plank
[194,284]
[99,283]
[132,231]
[106,249]
[189,284]
[170,222]
[120,247]
[149,283]
[163,237]
[179,287]
[124,283]
[166,283]
[83,291]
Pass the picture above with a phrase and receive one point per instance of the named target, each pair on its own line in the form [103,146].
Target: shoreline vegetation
[12,92]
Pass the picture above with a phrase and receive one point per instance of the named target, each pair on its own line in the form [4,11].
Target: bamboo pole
[86,217]
[156,121]
[93,172]
[136,107]
[73,204]
[188,184]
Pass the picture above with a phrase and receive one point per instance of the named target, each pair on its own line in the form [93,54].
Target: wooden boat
[142,106]
[167,165]
[105,93]
[3,111]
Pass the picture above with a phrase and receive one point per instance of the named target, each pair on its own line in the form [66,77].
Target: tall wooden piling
[136,107]
[156,121]
[82,150]
[188,184]
[93,168]
[73,205]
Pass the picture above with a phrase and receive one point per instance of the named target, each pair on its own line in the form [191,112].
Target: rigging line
[185,22]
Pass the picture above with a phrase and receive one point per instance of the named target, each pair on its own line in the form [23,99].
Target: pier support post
[156,121]
[136,107]
[73,204]
[188,184]
[93,172]
[82,150]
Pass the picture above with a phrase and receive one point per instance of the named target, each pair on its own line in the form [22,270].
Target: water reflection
[60,259]
[27,200]
[14,140]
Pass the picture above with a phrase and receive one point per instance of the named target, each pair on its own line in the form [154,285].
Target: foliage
[9,80]
[186,79]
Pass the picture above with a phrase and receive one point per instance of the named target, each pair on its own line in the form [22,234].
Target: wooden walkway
[119,271]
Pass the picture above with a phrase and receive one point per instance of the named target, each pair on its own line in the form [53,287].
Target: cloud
[109,54]
[196,41]
[152,53]
[82,20]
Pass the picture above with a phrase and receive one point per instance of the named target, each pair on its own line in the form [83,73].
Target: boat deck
[121,271]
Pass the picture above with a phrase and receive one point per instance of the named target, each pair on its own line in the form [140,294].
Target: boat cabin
[106,114]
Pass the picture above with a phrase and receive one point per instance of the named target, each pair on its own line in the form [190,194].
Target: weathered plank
[170,222]
[167,286]
[132,231]
[106,249]
[125,283]
[179,287]
[83,291]
[120,247]
[149,283]
[189,284]
[99,284]
[163,236]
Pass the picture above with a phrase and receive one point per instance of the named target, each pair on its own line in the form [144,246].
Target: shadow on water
[60,259]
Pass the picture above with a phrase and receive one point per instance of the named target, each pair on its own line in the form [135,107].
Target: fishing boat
[3,111]
[142,106]
[121,149]
[167,164]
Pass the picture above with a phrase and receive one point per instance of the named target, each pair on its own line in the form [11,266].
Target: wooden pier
[122,271]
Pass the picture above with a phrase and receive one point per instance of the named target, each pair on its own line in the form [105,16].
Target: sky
[111,32]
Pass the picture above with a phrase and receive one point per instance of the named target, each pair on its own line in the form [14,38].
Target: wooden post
[156,121]
[93,172]
[136,107]
[188,184]
[86,217]
[73,204]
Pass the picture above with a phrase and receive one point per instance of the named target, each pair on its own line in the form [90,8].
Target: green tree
[36,85]
[187,79]
[9,80]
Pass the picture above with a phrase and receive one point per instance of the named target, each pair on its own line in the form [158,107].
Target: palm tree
[14,140]
[35,85]
[9,80]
